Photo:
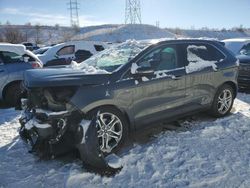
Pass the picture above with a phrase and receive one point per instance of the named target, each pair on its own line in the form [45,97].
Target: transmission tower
[133,12]
[74,7]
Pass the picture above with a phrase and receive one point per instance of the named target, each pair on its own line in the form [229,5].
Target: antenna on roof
[133,12]
[74,18]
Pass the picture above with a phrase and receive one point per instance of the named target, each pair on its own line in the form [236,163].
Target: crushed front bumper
[51,134]
[46,133]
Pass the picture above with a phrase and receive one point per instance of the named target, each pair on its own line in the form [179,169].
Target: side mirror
[56,56]
[144,71]
[243,52]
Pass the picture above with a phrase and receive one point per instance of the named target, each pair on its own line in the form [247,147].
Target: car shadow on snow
[3,105]
[150,133]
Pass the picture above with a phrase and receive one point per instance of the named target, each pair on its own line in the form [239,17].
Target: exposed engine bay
[52,127]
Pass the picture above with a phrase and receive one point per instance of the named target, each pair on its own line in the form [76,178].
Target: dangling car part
[62,132]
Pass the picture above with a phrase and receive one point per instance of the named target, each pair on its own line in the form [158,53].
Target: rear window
[203,51]
[99,48]
[200,56]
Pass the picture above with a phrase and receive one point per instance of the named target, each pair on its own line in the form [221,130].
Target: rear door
[162,95]
[202,78]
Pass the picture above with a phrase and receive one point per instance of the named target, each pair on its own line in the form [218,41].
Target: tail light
[36,65]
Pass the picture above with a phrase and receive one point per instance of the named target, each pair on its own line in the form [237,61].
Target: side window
[66,50]
[164,58]
[245,49]
[10,57]
[203,52]
[99,48]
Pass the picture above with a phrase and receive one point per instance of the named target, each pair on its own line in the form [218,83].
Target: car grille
[244,70]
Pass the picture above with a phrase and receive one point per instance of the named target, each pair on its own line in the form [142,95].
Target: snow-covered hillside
[122,33]
[201,152]
[114,33]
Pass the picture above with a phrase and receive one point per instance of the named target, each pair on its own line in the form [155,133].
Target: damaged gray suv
[93,106]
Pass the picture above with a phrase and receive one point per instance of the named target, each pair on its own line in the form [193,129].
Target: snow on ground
[203,152]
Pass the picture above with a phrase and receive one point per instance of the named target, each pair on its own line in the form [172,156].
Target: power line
[74,18]
[133,12]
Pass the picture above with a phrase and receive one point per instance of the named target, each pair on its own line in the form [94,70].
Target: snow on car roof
[236,40]
[153,41]
[15,48]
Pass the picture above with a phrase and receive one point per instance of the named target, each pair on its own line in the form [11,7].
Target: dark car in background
[30,46]
[124,89]
[241,49]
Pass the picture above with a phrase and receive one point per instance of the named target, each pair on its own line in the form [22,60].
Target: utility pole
[133,12]
[74,18]
[157,24]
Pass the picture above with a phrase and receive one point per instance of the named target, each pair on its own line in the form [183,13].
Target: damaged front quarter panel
[51,133]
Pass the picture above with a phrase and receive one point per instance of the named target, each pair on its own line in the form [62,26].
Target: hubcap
[225,101]
[109,131]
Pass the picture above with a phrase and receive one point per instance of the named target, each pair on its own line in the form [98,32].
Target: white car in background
[42,50]
[14,60]
[64,53]
[238,46]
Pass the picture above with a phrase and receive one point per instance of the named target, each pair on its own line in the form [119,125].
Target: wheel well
[234,86]
[8,85]
[91,112]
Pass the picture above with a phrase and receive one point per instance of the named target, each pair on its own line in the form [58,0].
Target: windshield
[116,56]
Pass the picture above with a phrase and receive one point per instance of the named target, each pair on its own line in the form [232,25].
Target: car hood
[63,77]
[243,58]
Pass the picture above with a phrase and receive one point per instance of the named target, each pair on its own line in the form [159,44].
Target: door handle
[176,77]
[1,70]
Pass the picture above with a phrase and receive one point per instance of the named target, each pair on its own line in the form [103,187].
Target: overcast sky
[170,13]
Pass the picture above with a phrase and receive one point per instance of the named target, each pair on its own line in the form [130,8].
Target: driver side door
[163,94]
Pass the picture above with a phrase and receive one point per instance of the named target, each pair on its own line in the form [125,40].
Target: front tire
[112,129]
[223,101]
[13,94]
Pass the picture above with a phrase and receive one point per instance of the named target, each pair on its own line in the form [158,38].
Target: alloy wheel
[224,101]
[109,131]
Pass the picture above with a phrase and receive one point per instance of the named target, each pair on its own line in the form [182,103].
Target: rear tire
[13,94]
[223,101]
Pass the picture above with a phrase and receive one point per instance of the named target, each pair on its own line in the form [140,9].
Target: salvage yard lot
[202,151]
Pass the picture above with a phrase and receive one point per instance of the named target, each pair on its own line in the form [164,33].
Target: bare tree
[67,35]
[38,32]
[50,34]
[12,35]
[76,29]
[27,28]
[57,26]
[177,31]
[1,38]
